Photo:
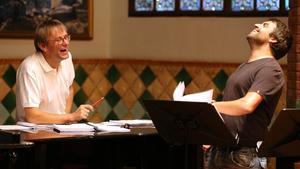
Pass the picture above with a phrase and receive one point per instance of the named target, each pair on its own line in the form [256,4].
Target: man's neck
[260,52]
[52,62]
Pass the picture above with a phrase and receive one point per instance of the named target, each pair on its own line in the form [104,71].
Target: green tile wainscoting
[124,84]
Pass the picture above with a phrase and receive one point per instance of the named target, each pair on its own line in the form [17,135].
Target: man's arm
[242,106]
[35,115]
[69,100]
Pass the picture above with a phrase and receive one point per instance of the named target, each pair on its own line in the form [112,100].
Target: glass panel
[165,5]
[287,5]
[267,5]
[213,5]
[242,5]
[189,5]
[143,5]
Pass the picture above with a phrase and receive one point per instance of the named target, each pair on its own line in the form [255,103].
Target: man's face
[261,32]
[57,44]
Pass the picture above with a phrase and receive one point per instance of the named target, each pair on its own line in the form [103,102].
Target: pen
[97,103]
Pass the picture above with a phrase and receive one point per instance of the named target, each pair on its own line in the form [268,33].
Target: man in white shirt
[44,79]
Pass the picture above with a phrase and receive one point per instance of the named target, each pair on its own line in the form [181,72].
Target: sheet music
[178,95]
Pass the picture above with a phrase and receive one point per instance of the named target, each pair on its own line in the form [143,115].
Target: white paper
[14,127]
[179,91]
[108,128]
[76,127]
[35,126]
[205,96]
[134,122]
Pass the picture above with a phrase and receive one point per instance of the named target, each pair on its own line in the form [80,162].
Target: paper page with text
[205,96]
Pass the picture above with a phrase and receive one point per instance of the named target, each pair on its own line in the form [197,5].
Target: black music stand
[283,139]
[186,123]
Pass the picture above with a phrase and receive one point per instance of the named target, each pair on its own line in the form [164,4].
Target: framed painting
[18,19]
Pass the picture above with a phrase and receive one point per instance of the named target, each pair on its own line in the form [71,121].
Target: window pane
[189,5]
[165,5]
[287,5]
[143,5]
[267,5]
[213,5]
[242,5]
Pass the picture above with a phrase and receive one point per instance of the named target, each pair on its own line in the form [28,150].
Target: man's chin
[64,55]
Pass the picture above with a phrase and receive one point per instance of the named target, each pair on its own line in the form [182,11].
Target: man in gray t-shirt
[251,95]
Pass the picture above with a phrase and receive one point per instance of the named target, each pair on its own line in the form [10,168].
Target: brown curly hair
[283,37]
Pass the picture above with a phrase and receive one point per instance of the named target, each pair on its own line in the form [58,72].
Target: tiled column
[293,81]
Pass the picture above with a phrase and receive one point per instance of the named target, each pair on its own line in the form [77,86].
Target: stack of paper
[77,127]
[131,123]
[34,126]
[14,127]
[178,95]
[108,128]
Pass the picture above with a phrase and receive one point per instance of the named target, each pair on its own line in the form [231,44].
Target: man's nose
[257,25]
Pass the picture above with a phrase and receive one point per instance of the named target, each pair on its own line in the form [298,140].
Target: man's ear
[273,40]
[43,46]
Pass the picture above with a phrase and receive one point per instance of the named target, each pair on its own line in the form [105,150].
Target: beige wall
[212,39]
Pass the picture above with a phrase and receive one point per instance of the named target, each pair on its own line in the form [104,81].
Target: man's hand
[82,112]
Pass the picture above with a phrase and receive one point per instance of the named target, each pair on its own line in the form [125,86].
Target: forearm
[34,115]
[242,106]
[233,108]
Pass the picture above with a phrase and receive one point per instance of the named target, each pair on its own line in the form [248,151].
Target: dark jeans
[234,158]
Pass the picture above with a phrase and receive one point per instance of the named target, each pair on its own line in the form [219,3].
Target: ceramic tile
[4,89]
[113,74]
[138,111]
[104,109]
[129,75]
[88,87]
[156,89]
[147,76]
[220,79]
[103,87]
[112,97]
[112,116]
[8,103]
[138,68]
[80,75]
[120,109]
[138,87]
[202,80]
[129,98]
[4,114]
[96,75]
[9,76]
[184,76]
[121,86]
[163,75]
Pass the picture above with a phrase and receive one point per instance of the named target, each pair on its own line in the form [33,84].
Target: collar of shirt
[44,64]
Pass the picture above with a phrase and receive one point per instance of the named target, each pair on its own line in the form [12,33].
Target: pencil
[97,103]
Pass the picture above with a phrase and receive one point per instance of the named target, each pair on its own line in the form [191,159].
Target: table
[142,148]
[16,155]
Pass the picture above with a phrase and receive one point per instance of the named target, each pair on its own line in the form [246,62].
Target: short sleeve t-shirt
[41,86]
[263,76]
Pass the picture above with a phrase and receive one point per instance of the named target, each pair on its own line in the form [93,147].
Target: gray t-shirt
[263,76]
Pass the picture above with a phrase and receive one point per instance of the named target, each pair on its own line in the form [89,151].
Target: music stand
[180,122]
[283,137]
